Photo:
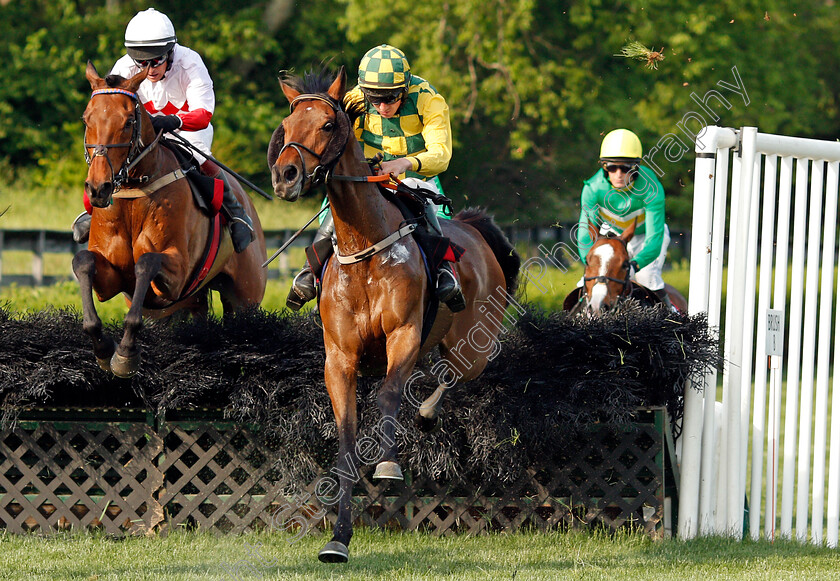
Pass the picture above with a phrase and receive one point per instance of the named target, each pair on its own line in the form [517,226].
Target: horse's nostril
[290,174]
[103,192]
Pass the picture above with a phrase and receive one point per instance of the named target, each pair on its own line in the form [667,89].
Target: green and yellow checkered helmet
[384,67]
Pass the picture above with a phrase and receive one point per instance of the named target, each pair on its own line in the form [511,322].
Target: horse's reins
[134,145]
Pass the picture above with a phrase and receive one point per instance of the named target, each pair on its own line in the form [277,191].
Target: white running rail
[775,199]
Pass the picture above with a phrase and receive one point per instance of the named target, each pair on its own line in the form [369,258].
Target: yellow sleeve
[353,98]
[437,133]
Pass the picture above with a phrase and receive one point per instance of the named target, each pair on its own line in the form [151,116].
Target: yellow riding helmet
[621,145]
[384,67]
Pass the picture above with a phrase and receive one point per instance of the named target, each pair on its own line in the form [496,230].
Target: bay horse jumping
[148,238]
[372,309]
[606,277]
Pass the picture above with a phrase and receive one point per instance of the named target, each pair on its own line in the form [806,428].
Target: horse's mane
[114,81]
[316,82]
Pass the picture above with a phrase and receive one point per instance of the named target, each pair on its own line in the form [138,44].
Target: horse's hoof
[334,552]
[104,363]
[124,367]
[427,425]
[387,471]
[104,360]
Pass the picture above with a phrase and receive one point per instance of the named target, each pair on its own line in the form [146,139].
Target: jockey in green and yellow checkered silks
[420,131]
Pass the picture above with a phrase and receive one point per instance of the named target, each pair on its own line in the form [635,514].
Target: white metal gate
[779,212]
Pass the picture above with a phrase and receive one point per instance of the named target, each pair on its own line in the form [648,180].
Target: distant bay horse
[148,238]
[372,308]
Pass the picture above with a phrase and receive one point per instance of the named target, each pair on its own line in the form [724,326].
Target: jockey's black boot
[662,295]
[241,227]
[303,286]
[448,289]
[81,228]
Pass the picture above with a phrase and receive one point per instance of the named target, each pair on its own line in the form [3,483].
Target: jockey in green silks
[622,192]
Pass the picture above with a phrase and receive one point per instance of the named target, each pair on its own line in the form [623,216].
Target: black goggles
[612,168]
[383,98]
[155,62]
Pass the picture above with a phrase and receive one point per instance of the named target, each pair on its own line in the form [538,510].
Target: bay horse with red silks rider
[372,308]
[607,278]
[148,237]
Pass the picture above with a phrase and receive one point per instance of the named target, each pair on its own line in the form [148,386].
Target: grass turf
[411,556]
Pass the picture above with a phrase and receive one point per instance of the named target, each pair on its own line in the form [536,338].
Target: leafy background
[533,85]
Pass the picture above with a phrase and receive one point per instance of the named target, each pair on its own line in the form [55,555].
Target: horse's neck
[156,162]
[362,216]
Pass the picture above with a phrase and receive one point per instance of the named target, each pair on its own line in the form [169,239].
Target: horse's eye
[329,126]
[129,124]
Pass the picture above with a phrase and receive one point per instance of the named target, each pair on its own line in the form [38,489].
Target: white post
[803,478]
[713,138]
[779,303]
[735,313]
[749,326]
[712,423]
[823,349]
[759,401]
[794,346]
[833,508]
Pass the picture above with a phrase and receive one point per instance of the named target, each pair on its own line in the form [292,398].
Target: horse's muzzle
[287,182]
[100,196]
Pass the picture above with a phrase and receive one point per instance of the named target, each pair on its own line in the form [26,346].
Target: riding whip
[221,165]
[294,236]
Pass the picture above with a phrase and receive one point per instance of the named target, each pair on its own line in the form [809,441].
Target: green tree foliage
[45,45]
[533,85]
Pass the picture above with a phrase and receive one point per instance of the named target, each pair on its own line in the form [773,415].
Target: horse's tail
[504,251]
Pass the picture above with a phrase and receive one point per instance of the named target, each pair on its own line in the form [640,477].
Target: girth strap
[378,247]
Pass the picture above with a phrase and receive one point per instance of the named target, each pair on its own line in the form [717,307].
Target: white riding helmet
[149,34]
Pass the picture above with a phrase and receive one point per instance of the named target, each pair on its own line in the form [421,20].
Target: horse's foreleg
[402,349]
[341,384]
[84,266]
[126,361]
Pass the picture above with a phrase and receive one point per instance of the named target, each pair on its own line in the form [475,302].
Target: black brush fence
[227,426]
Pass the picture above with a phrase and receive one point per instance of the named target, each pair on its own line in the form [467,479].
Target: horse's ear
[92,76]
[339,85]
[629,231]
[291,93]
[134,82]
[593,231]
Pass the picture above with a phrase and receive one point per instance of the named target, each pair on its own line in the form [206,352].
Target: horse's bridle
[323,171]
[625,282]
[136,150]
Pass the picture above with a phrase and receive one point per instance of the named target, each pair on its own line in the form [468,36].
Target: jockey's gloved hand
[634,267]
[166,123]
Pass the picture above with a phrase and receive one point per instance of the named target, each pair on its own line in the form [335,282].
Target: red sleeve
[195,120]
